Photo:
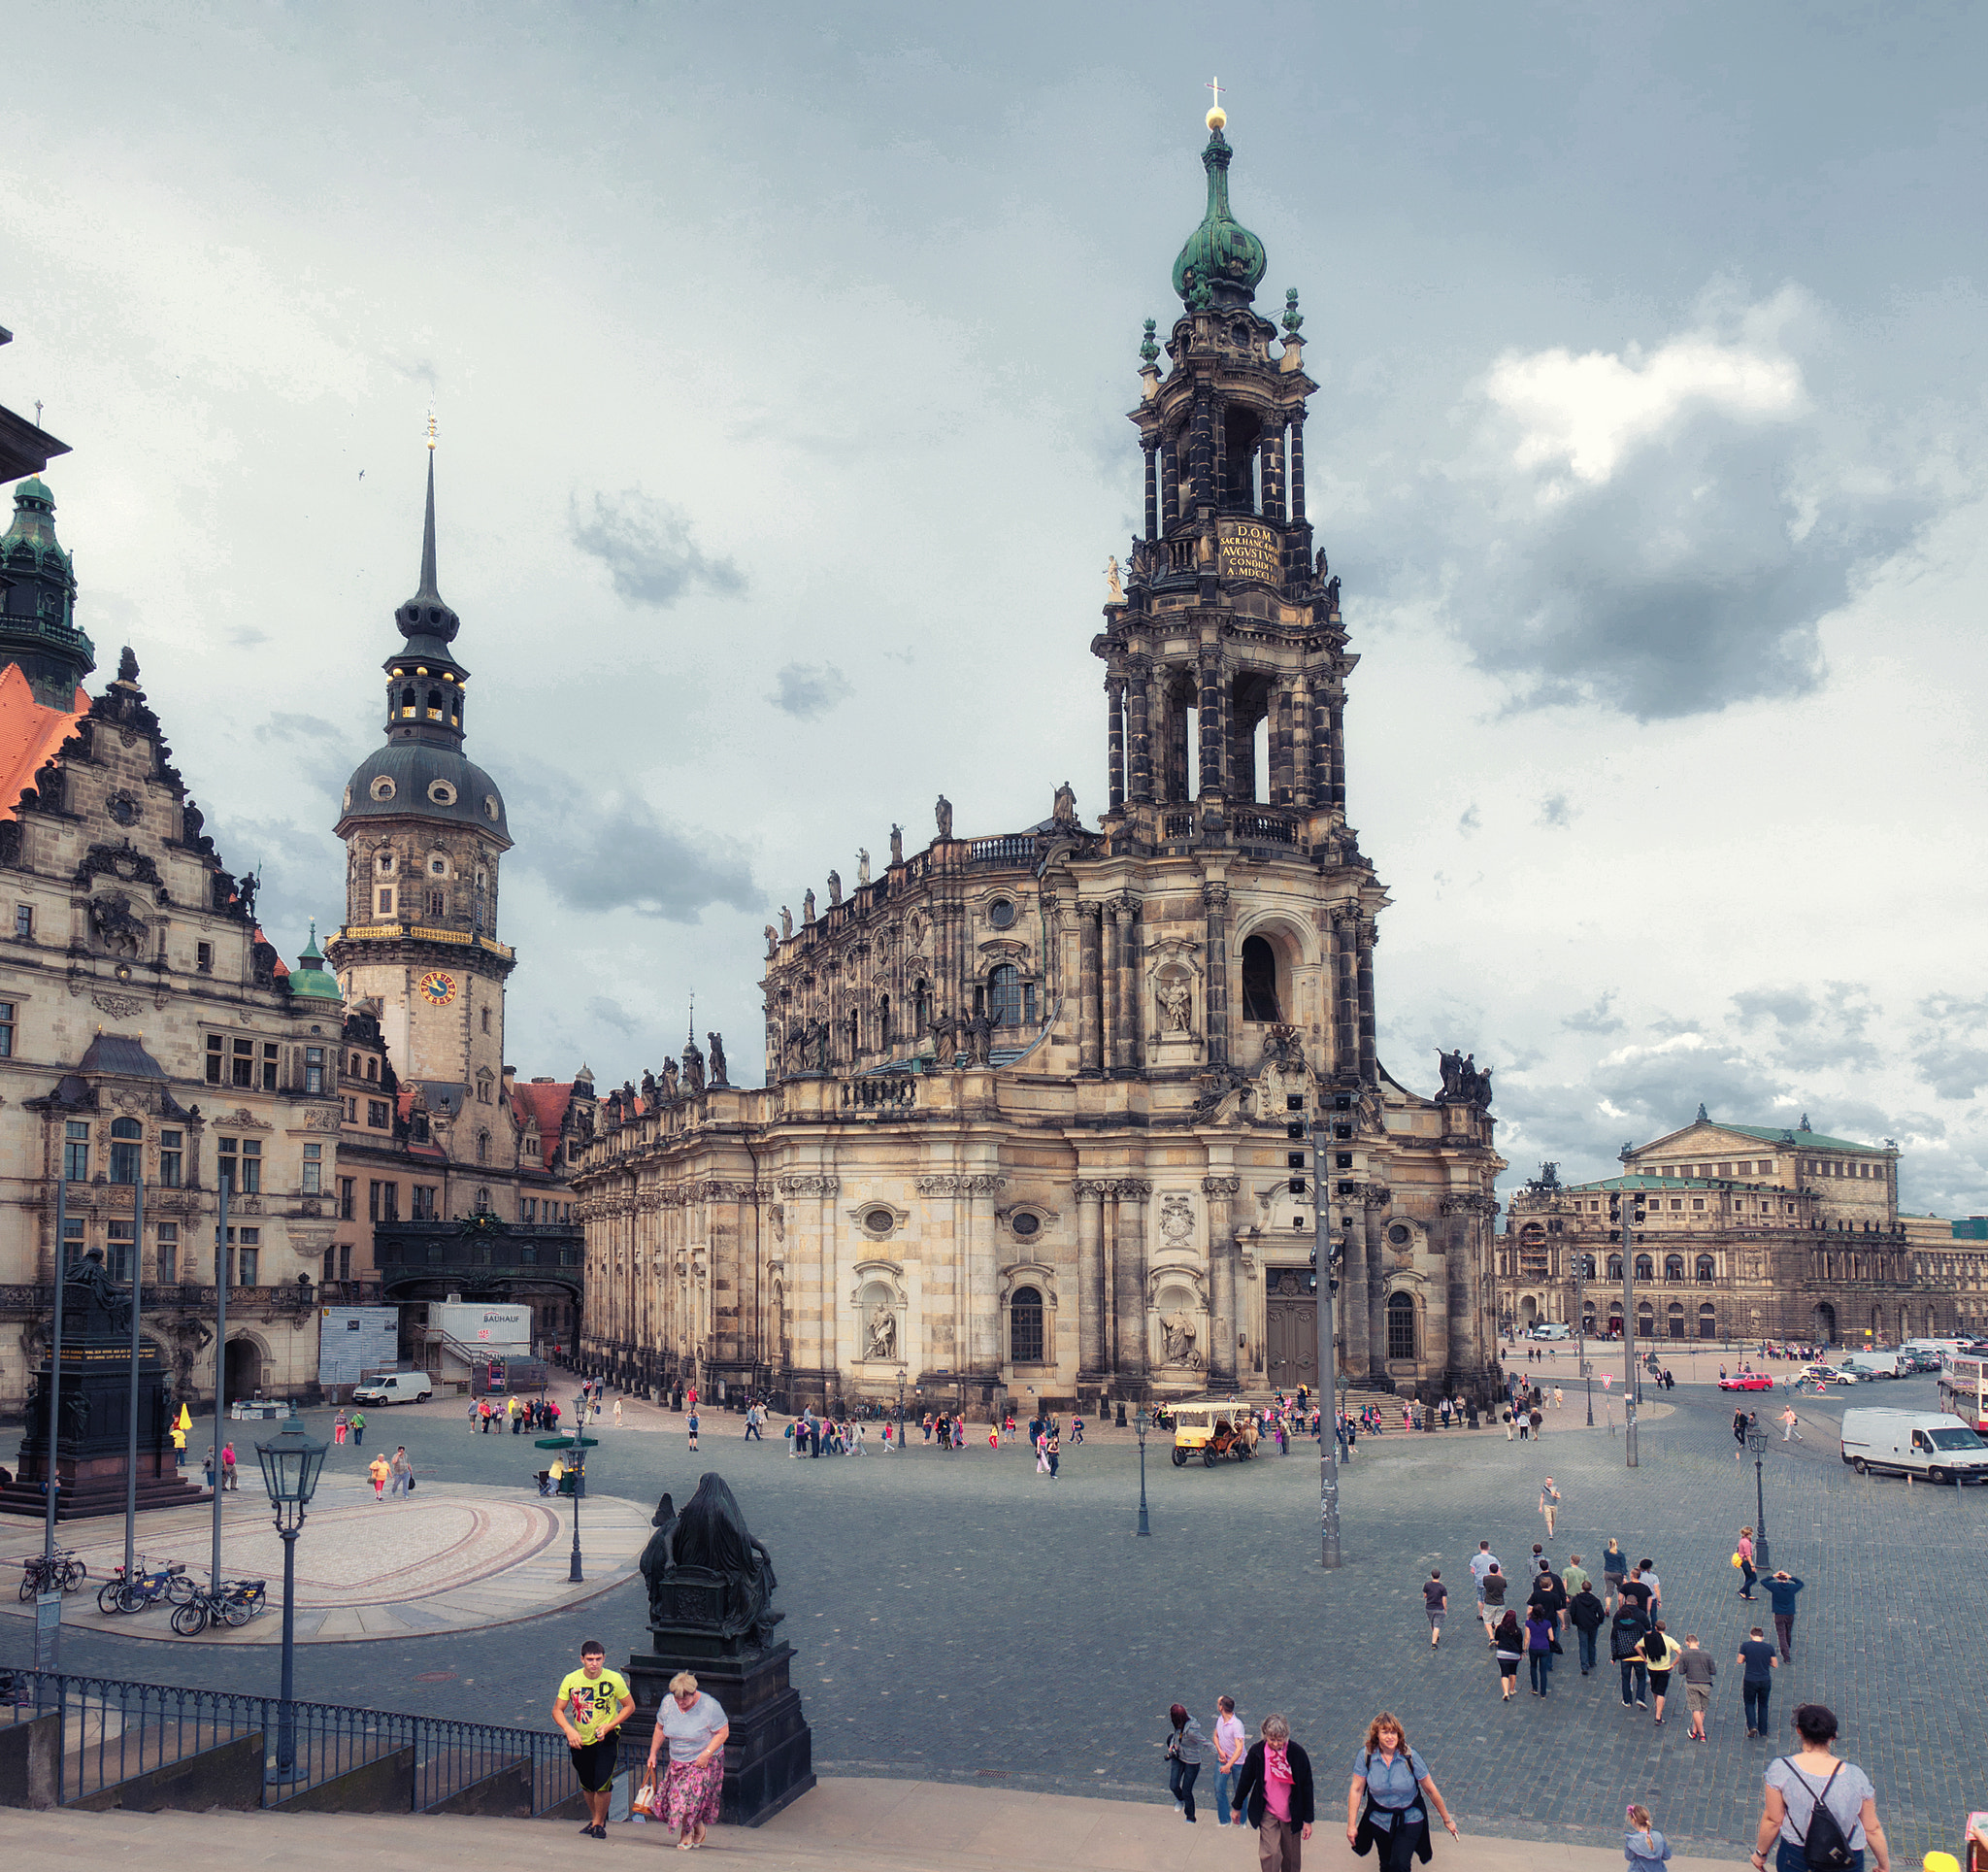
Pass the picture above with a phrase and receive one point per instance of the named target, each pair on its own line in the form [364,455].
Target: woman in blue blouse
[1384,1805]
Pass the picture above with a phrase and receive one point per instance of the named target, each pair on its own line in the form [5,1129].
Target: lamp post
[1141,1423]
[1756,1441]
[578,1473]
[902,1375]
[290,1466]
[1630,1389]
[1580,1327]
[1323,1261]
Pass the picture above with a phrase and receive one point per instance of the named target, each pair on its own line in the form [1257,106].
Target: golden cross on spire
[431,427]
[1216,116]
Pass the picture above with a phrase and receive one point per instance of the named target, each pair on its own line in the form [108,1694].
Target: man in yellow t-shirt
[592,1704]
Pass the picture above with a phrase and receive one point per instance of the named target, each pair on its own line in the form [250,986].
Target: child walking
[1643,1846]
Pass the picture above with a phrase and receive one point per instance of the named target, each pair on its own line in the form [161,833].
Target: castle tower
[38,602]
[424,832]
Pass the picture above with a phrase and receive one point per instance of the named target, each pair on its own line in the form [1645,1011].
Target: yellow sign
[1250,550]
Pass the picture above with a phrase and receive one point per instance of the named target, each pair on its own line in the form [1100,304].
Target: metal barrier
[113,1731]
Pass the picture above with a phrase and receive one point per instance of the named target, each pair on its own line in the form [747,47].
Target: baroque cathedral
[1037,1105]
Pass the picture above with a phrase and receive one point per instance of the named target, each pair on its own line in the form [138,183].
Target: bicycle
[57,1572]
[146,1589]
[234,1603]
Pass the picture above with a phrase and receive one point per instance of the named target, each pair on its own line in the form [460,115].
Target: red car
[1746,1381]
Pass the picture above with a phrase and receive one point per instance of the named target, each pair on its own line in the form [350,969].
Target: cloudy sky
[782,359]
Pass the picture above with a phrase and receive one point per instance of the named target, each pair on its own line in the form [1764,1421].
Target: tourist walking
[694,1725]
[1615,1568]
[1229,1753]
[1435,1600]
[1385,1800]
[592,1704]
[1626,1634]
[1539,1649]
[690,1425]
[1494,1594]
[339,1426]
[1053,1447]
[1744,1555]
[617,1414]
[1574,1576]
[230,1480]
[1662,1655]
[1186,1749]
[1741,1421]
[1585,1614]
[1274,1794]
[1550,1505]
[1482,1562]
[1643,1846]
[1758,1662]
[402,1471]
[1699,1667]
[379,1470]
[1508,1646]
[1789,1421]
[475,1416]
[358,1429]
[1815,1799]
[1781,1588]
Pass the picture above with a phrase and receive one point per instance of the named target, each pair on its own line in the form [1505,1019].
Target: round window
[442,793]
[1001,913]
[489,806]
[1025,1225]
[382,787]
[880,1222]
[1401,1235]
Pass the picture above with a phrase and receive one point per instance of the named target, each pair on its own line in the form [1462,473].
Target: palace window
[169,1253]
[313,1169]
[1673,1267]
[482,1147]
[377,1115]
[314,1069]
[1706,1273]
[171,1158]
[269,1064]
[1401,1326]
[203,958]
[1645,1268]
[1587,1267]
[382,903]
[1259,981]
[1025,1326]
[75,1239]
[1707,1321]
[7,1029]
[418,1126]
[346,1186]
[438,903]
[74,1151]
[1614,1267]
[23,919]
[383,1202]
[1003,996]
[244,1264]
[424,1202]
[242,1066]
[126,1148]
[240,1164]
[117,1253]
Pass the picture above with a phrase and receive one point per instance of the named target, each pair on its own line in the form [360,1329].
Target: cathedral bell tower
[425,833]
[1226,621]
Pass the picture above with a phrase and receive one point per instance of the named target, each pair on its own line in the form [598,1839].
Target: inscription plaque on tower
[1250,550]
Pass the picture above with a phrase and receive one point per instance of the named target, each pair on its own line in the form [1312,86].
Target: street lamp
[290,1466]
[902,1375]
[1756,1441]
[1141,1423]
[576,1475]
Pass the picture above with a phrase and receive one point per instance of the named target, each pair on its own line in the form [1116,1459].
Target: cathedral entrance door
[1291,1341]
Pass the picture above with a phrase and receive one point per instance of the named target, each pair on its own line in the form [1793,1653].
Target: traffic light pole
[1328,1381]
[1628,1322]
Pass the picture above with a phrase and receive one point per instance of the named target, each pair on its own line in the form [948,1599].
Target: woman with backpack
[1819,1811]
[1386,1805]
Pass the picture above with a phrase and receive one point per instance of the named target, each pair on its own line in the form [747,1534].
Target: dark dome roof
[403,779]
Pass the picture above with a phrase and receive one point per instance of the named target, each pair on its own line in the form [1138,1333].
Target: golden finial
[431,428]
[1216,116]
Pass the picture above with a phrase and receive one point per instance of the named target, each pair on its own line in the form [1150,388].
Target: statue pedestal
[769,1755]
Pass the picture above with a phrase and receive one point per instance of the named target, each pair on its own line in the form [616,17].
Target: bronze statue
[709,1542]
[96,1306]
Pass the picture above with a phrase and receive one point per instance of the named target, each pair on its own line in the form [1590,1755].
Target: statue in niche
[786,922]
[1064,809]
[1178,1330]
[1115,595]
[772,942]
[817,1036]
[1178,1001]
[693,1066]
[942,813]
[116,929]
[806,908]
[883,1333]
[835,888]
[897,845]
[716,1042]
[862,865]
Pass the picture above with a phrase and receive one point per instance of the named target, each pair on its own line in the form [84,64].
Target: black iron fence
[113,1731]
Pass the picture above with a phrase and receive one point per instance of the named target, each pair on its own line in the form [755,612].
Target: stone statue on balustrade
[786,922]
[835,888]
[942,813]
[693,1066]
[862,864]
[717,1042]
[806,908]
[670,1088]
[897,845]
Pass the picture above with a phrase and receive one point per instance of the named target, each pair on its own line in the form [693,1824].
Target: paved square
[961,1618]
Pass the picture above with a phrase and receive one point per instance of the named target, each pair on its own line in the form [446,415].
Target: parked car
[395,1387]
[1830,1375]
[1746,1381]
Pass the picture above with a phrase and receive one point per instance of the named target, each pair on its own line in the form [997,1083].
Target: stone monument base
[769,1755]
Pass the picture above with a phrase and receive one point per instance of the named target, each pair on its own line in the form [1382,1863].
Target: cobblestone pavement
[958,1617]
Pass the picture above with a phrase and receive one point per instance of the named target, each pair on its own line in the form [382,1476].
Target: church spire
[429,589]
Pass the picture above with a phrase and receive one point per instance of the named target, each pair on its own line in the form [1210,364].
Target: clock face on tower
[438,987]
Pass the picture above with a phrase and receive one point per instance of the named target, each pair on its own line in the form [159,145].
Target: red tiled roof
[31,734]
[282,966]
[546,1105]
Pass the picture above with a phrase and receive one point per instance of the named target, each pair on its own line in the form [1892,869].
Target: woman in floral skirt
[695,1727]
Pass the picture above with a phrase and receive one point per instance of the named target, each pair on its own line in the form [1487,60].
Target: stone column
[1320,743]
[1114,984]
[1090,1025]
[1200,451]
[1281,788]
[1214,899]
[1346,1001]
[1218,454]
[1152,491]
[1298,467]
[1124,962]
[1127,1299]
[1274,476]
[1114,737]
[1176,716]
[1209,704]
[1336,736]
[1139,675]
[1090,1280]
[1368,1068]
[1221,1255]
[1170,483]
[1371,1220]
[1301,743]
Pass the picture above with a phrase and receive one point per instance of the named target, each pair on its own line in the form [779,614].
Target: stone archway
[244,1368]
[1822,1324]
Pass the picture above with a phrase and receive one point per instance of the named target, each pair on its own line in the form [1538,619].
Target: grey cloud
[612,1014]
[621,855]
[290,728]
[1468,821]
[806,690]
[1598,1019]
[1554,810]
[1790,1007]
[647,548]
[1954,1070]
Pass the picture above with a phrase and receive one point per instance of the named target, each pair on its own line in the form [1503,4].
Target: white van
[1873,1364]
[1913,1443]
[395,1388]
[1550,1329]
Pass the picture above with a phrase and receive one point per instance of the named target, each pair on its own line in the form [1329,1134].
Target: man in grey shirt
[1698,1669]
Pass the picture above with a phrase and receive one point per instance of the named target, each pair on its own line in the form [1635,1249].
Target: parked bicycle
[57,1572]
[144,1589]
[235,1603]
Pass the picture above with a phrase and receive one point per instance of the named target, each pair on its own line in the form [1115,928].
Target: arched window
[406,699]
[1708,1321]
[1708,1271]
[1259,981]
[1614,1267]
[125,1149]
[921,1005]
[1587,1267]
[1673,1267]
[482,1199]
[434,705]
[1025,1326]
[1645,1268]
[1400,1325]
[1003,996]
[1674,1319]
[482,1147]
[1645,1319]
[883,1022]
